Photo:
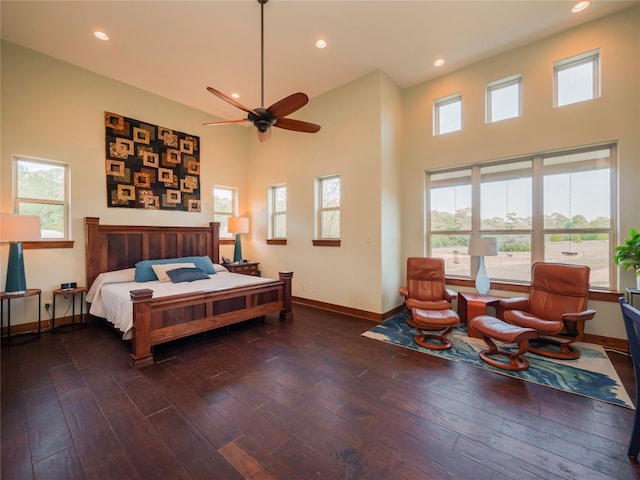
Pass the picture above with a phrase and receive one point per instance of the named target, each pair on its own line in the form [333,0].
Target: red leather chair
[429,301]
[556,308]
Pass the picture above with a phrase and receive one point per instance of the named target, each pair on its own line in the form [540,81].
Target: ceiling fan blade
[227,122]
[296,125]
[264,136]
[228,99]
[288,105]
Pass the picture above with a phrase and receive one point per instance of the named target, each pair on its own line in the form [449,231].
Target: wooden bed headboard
[115,247]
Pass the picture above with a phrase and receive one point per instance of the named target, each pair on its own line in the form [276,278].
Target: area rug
[592,375]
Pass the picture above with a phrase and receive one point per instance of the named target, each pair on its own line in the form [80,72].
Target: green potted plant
[628,255]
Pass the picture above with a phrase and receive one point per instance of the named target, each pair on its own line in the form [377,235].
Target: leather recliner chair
[556,308]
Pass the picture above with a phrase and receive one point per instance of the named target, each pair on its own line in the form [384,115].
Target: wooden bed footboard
[160,320]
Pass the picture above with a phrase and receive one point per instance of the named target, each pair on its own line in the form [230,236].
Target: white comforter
[110,299]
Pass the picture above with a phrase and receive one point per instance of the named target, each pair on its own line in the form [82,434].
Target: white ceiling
[176,49]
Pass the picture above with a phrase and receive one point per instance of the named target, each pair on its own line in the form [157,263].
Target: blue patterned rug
[592,375]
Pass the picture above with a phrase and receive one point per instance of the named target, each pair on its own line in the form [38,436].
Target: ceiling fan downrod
[262,2]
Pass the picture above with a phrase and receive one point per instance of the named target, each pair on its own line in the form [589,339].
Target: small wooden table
[473,304]
[69,292]
[30,292]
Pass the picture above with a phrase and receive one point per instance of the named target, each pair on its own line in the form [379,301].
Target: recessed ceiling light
[578,7]
[439,62]
[235,95]
[101,35]
[321,43]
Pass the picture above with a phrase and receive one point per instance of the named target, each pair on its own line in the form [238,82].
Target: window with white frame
[328,189]
[278,212]
[554,207]
[42,188]
[577,79]
[447,114]
[224,206]
[504,99]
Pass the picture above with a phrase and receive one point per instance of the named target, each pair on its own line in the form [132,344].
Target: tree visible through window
[224,206]
[329,211]
[41,189]
[554,207]
[278,211]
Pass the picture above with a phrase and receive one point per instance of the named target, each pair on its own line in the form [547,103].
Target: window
[224,206]
[554,207]
[42,188]
[447,114]
[577,79]
[329,207]
[278,212]
[504,99]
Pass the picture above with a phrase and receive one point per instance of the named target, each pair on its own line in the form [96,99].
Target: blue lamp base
[237,251]
[482,279]
[16,279]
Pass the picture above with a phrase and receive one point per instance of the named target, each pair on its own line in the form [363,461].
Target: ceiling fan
[274,116]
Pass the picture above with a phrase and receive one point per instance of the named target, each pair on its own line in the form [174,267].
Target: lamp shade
[482,247]
[19,228]
[238,225]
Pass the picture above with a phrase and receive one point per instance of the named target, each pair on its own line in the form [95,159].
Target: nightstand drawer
[244,268]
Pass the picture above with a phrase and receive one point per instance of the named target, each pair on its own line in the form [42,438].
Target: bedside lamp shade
[238,225]
[482,247]
[16,229]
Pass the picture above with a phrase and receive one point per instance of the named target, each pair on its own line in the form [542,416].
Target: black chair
[631,318]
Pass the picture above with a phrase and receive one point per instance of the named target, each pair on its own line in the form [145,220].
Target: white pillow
[219,268]
[161,269]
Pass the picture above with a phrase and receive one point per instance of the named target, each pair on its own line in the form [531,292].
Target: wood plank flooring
[308,399]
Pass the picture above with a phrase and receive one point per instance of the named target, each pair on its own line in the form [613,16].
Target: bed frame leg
[141,354]
[287,310]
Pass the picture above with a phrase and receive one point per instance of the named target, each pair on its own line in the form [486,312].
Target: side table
[473,304]
[69,292]
[246,268]
[31,292]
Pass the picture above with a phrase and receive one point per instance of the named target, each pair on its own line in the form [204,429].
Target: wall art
[151,167]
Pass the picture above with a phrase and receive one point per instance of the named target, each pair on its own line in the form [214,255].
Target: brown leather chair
[429,301]
[556,308]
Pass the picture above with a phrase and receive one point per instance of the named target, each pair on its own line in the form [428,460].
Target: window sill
[42,244]
[594,294]
[334,242]
[276,241]
[227,241]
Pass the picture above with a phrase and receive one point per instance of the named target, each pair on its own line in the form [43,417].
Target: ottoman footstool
[428,321]
[492,329]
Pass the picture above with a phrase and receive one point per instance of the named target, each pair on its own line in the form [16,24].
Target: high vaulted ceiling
[176,49]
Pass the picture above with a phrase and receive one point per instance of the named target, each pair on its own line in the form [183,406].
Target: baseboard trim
[352,312]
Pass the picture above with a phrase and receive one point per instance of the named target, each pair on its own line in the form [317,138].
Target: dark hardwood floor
[306,399]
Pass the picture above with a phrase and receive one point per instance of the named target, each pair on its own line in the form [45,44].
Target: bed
[177,310]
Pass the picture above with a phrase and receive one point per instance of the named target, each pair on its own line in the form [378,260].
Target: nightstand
[69,292]
[31,292]
[249,268]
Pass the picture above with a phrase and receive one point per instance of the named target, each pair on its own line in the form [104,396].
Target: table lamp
[238,225]
[16,229]
[482,247]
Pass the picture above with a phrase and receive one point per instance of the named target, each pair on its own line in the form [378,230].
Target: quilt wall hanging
[151,167]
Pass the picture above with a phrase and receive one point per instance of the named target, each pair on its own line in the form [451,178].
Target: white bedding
[110,299]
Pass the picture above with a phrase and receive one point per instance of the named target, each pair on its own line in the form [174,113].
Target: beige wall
[53,110]
[375,136]
[614,116]
[349,145]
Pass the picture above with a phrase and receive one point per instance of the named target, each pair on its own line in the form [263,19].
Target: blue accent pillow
[186,274]
[145,273]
